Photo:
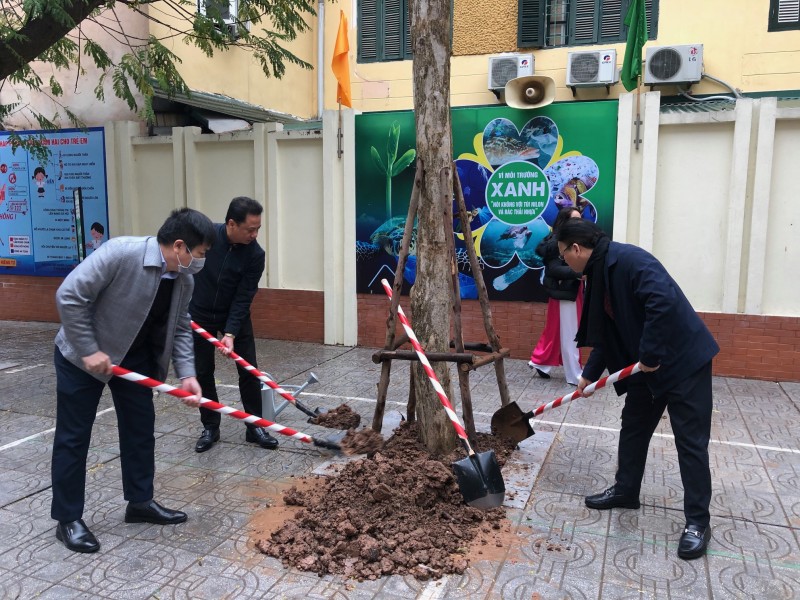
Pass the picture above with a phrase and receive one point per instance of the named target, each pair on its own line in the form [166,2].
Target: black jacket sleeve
[245,292]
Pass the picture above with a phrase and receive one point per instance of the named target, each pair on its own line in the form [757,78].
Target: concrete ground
[560,549]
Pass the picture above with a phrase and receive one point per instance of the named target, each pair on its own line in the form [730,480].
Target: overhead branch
[40,33]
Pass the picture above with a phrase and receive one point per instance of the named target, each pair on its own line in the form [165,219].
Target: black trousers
[689,405]
[204,355]
[77,396]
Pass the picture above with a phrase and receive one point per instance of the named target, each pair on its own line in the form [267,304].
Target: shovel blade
[480,480]
[512,423]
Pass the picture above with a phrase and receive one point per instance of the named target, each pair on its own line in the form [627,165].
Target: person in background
[556,346]
[126,304]
[223,293]
[634,311]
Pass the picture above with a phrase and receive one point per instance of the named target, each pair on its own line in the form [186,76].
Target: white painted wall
[309,210]
[709,194]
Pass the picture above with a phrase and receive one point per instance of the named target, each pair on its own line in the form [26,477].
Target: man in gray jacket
[126,304]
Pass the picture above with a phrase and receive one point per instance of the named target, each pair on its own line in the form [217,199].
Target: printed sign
[517,168]
[38,226]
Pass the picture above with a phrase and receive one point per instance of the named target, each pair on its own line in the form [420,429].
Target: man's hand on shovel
[191,385]
[583,382]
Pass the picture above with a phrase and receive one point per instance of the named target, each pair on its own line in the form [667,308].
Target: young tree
[38,32]
[431,294]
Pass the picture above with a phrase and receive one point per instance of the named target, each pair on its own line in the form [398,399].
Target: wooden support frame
[465,359]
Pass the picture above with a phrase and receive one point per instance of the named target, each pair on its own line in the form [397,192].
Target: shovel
[258,374]
[227,410]
[478,475]
[512,423]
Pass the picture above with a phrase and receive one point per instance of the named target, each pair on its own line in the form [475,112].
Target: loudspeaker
[532,91]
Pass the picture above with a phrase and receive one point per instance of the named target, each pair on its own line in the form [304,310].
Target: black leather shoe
[611,499]
[154,513]
[694,542]
[258,435]
[208,438]
[77,537]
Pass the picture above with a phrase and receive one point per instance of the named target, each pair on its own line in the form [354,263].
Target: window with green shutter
[553,23]
[784,15]
[383,30]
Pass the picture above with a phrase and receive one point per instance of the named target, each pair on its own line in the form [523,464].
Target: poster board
[516,168]
[41,232]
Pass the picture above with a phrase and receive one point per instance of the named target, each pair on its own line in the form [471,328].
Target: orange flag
[341,63]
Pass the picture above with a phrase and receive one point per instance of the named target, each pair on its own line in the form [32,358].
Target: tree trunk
[431,296]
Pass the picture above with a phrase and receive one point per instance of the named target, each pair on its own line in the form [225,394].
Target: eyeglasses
[561,254]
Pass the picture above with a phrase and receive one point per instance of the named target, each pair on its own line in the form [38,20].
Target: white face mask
[194,266]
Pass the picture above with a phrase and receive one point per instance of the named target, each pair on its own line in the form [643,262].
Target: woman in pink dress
[557,345]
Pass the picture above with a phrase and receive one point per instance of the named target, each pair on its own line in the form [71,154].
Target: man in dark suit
[635,312]
[223,293]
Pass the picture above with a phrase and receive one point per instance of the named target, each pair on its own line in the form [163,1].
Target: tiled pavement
[626,554]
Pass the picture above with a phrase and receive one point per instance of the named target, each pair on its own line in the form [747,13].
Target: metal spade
[512,423]
[480,479]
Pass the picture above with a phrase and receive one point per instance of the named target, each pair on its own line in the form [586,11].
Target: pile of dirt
[397,512]
[367,441]
[341,417]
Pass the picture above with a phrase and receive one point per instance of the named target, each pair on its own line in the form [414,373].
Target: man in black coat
[635,312]
[223,293]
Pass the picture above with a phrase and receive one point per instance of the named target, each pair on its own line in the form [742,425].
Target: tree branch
[39,33]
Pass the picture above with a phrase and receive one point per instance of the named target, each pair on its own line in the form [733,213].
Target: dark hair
[240,207]
[38,170]
[189,225]
[579,231]
[97,227]
[564,215]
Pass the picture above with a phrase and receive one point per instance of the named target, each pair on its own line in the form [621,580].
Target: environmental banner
[52,212]
[516,167]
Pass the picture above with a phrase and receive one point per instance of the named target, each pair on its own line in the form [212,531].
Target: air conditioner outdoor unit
[592,68]
[232,29]
[673,64]
[505,67]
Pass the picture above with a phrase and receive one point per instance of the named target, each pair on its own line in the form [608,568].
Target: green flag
[636,21]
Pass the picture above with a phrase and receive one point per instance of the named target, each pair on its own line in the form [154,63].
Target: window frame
[233,9]
[773,24]
[404,29]
[532,24]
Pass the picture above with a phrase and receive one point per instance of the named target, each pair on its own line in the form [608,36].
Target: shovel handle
[621,374]
[221,408]
[253,371]
[448,408]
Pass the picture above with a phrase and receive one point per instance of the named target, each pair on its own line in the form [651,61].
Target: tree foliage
[34,33]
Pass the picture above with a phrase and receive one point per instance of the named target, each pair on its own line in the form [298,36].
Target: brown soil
[397,512]
[367,441]
[341,417]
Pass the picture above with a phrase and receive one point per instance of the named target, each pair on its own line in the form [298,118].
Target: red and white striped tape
[252,370]
[621,374]
[210,404]
[448,408]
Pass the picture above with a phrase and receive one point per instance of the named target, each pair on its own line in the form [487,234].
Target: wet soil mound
[367,441]
[341,417]
[397,512]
